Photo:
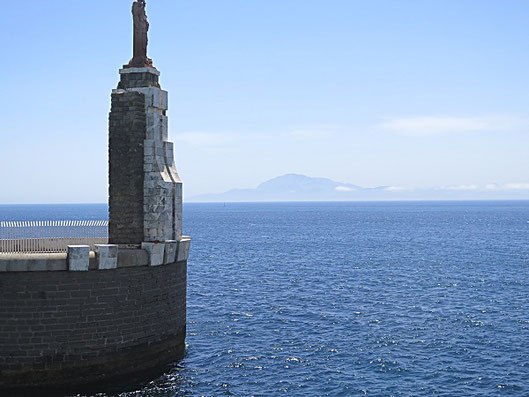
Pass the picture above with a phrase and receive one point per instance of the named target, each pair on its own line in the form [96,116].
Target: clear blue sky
[405,93]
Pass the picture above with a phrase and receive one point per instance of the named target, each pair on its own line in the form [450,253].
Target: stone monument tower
[93,313]
[145,189]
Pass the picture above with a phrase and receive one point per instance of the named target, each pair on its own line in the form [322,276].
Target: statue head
[138,4]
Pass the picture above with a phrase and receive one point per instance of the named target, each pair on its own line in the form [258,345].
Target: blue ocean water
[342,299]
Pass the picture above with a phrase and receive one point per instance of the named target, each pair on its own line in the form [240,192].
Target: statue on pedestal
[141,27]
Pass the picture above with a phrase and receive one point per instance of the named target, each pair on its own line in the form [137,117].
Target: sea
[346,299]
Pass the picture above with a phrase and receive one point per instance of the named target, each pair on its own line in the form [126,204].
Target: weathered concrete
[126,257]
[139,77]
[156,253]
[129,257]
[139,139]
[183,249]
[107,256]
[171,249]
[78,258]
[33,262]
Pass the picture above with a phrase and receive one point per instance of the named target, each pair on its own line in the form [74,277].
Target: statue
[141,27]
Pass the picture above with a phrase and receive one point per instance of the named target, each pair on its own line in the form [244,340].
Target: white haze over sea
[295,187]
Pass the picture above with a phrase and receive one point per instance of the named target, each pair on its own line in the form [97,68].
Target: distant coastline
[295,187]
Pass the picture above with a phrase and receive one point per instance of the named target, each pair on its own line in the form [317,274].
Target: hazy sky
[406,93]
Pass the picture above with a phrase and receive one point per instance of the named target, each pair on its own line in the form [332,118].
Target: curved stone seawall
[65,328]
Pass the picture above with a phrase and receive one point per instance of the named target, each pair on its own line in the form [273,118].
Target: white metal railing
[50,236]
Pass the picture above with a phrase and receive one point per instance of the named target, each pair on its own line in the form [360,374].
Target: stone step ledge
[105,257]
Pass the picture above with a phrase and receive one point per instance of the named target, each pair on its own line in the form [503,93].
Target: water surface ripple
[339,299]
[350,299]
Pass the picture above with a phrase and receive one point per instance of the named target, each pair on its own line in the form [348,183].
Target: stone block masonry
[146,205]
[78,258]
[85,317]
[127,126]
[139,77]
[62,328]
[68,320]
[170,252]
[156,253]
[107,256]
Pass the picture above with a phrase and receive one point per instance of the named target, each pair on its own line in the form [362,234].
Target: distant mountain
[294,184]
[294,187]
[291,187]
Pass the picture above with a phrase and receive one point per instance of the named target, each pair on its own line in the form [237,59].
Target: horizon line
[298,201]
